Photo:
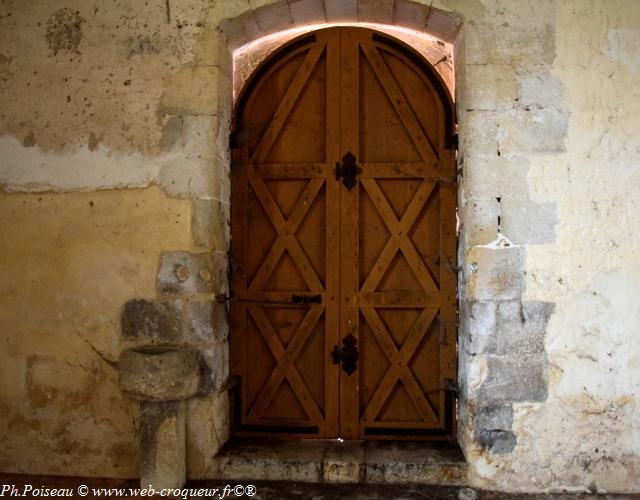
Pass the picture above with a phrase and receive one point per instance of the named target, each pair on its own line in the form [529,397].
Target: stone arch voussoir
[254,23]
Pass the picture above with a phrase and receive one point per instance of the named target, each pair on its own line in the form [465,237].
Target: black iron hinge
[451,386]
[347,357]
[452,143]
[347,170]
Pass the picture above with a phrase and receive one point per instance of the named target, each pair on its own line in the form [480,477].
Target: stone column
[161,378]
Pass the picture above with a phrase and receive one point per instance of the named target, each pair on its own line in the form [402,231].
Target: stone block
[492,428]
[522,326]
[183,273]
[497,442]
[222,228]
[189,177]
[210,224]
[375,11]
[207,321]
[227,10]
[162,445]
[224,181]
[171,134]
[216,368]
[468,380]
[210,221]
[202,222]
[199,136]
[220,322]
[222,232]
[190,13]
[479,134]
[225,113]
[191,136]
[211,48]
[490,87]
[467,494]
[505,327]
[241,30]
[478,327]
[341,10]
[200,320]
[480,221]
[307,11]
[479,43]
[193,90]
[506,43]
[224,137]
[443,25]
[495,177]
[344,463]
[221,272]
[526,222]
[494,273]
[270,460]
[520,378]
[207,431]
[540,89]
[274,17]
[493,417]
[147,321]
[410,14]
[533,131]
[159,373]
[525,14]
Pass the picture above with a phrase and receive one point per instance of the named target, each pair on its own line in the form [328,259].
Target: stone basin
[159,373]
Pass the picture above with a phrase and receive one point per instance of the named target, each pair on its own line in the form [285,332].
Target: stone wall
[114,206]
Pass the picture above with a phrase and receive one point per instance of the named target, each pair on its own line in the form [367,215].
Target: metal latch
[347,170]
[306,299]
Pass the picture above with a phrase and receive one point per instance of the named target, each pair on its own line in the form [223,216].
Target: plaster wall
[587,432]
[114,166]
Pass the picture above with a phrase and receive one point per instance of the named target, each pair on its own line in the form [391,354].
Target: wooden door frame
[450,144]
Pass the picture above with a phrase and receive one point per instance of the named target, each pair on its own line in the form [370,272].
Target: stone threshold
[331,461]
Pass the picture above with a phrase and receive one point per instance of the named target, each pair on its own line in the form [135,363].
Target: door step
[347,462]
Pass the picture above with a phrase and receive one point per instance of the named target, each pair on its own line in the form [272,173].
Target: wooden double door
[343,309]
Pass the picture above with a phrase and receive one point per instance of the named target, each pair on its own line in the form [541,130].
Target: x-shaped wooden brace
[399,369]
[288,101]
[399,239]
[286,229]
[400,104]
[286,363]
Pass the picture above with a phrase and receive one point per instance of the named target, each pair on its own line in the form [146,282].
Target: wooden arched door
[343,311]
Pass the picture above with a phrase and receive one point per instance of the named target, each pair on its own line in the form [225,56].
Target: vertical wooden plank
[448,278]
[332,244]
[238,312]
[349,217]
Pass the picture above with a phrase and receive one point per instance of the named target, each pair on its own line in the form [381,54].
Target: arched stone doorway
[343,316]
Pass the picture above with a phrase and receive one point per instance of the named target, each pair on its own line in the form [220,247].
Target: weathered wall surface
[592,271]
[548,105]
[114,176]
[69,263]
[110,161]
